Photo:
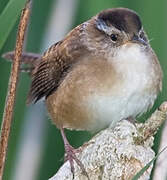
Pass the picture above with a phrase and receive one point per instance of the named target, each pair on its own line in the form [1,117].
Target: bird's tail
[28,60]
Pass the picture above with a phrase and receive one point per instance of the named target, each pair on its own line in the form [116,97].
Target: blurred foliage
[153,14]
[10,13]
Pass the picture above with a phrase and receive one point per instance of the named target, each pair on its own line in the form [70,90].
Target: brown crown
[122,19]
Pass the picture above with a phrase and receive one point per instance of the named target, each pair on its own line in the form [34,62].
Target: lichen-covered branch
[119,152]
[8,111]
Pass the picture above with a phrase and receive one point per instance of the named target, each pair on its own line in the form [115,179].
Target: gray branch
[119,152]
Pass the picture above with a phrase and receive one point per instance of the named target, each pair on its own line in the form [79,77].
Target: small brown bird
[103,71]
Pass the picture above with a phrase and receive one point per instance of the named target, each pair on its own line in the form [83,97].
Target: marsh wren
[103,71]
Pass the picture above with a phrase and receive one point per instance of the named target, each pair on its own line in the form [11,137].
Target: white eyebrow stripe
[102,26]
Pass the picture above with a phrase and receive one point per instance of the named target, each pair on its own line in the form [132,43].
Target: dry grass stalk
[11,96]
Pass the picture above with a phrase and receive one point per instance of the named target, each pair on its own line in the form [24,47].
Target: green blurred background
[35,144]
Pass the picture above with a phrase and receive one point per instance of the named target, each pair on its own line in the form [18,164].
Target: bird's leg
[70,155]
[131,119]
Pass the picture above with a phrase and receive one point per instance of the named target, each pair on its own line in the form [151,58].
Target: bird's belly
[93,109]
[136,93]
[107,110]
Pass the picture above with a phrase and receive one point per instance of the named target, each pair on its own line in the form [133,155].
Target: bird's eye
[114,37]
[141,34]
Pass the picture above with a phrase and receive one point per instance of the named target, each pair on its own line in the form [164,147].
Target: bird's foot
[71,157]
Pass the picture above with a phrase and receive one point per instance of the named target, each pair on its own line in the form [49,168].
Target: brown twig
[151,126]
[10,100]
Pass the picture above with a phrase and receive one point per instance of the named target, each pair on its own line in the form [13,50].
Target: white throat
[134,64]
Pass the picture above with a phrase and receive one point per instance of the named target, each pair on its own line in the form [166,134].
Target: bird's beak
[137,39]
